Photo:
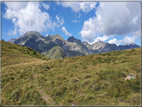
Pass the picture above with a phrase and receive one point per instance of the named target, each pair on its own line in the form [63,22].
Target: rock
[129,77]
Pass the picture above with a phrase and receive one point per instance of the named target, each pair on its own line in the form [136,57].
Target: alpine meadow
[97,79]
[79,53]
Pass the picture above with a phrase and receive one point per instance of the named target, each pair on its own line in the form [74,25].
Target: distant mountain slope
[102,47]
[72,39]
[31,34]
[71,53]
[97,79]
[129,46]
[87,45]
[55,53]
[31,43]
[72,46]
[84,47]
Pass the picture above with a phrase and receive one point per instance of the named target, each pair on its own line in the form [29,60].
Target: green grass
[14,54]
[85,80]
[55,53]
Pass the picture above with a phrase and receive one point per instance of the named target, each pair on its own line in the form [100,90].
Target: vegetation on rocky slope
[55,53]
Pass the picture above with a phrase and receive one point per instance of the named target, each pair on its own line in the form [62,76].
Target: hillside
[14,54]
[55,53]
[85,80]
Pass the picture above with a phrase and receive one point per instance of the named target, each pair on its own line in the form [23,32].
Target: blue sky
[113,22]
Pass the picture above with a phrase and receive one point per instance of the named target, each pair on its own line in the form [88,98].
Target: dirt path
[41,91]
[36,62]
[46,97]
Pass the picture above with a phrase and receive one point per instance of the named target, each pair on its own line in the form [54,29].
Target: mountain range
[56,47]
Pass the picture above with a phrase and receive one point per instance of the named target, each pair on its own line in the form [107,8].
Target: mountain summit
[70,47]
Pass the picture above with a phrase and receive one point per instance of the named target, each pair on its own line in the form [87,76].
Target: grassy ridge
[13,54]
[16,63]
[86,80]
[55,53]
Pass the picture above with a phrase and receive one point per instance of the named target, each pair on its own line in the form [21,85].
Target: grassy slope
[14,54]
[87,80]
[55,53]
[17,62]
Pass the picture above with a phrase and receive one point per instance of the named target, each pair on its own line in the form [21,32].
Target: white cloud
[15,5]
[122,17]
[60,21]
[129,40]
[57,17]
[66,32]
[12,32]
[88,31]
[102,38]
[29,17]
[112,18]
[125,40]
[79,6]
[46,6]
[75,21]
[115,41]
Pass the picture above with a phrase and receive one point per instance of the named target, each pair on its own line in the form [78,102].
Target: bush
[133,50]
[134,85]
[99,59]
[107,59]
[60,91]
[119,90]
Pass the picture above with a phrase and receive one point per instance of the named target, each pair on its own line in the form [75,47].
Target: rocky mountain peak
[72,39]
[101,42]
[77,41]
[98,45]
[57,36]
[32,33]
[12,40]
[85,42]
[130,44]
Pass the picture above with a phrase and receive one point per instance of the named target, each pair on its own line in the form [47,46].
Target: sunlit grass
[85,80]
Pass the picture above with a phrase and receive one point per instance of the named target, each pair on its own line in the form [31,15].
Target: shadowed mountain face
[130,46]
[70,48]
[72,39]
[31,43]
